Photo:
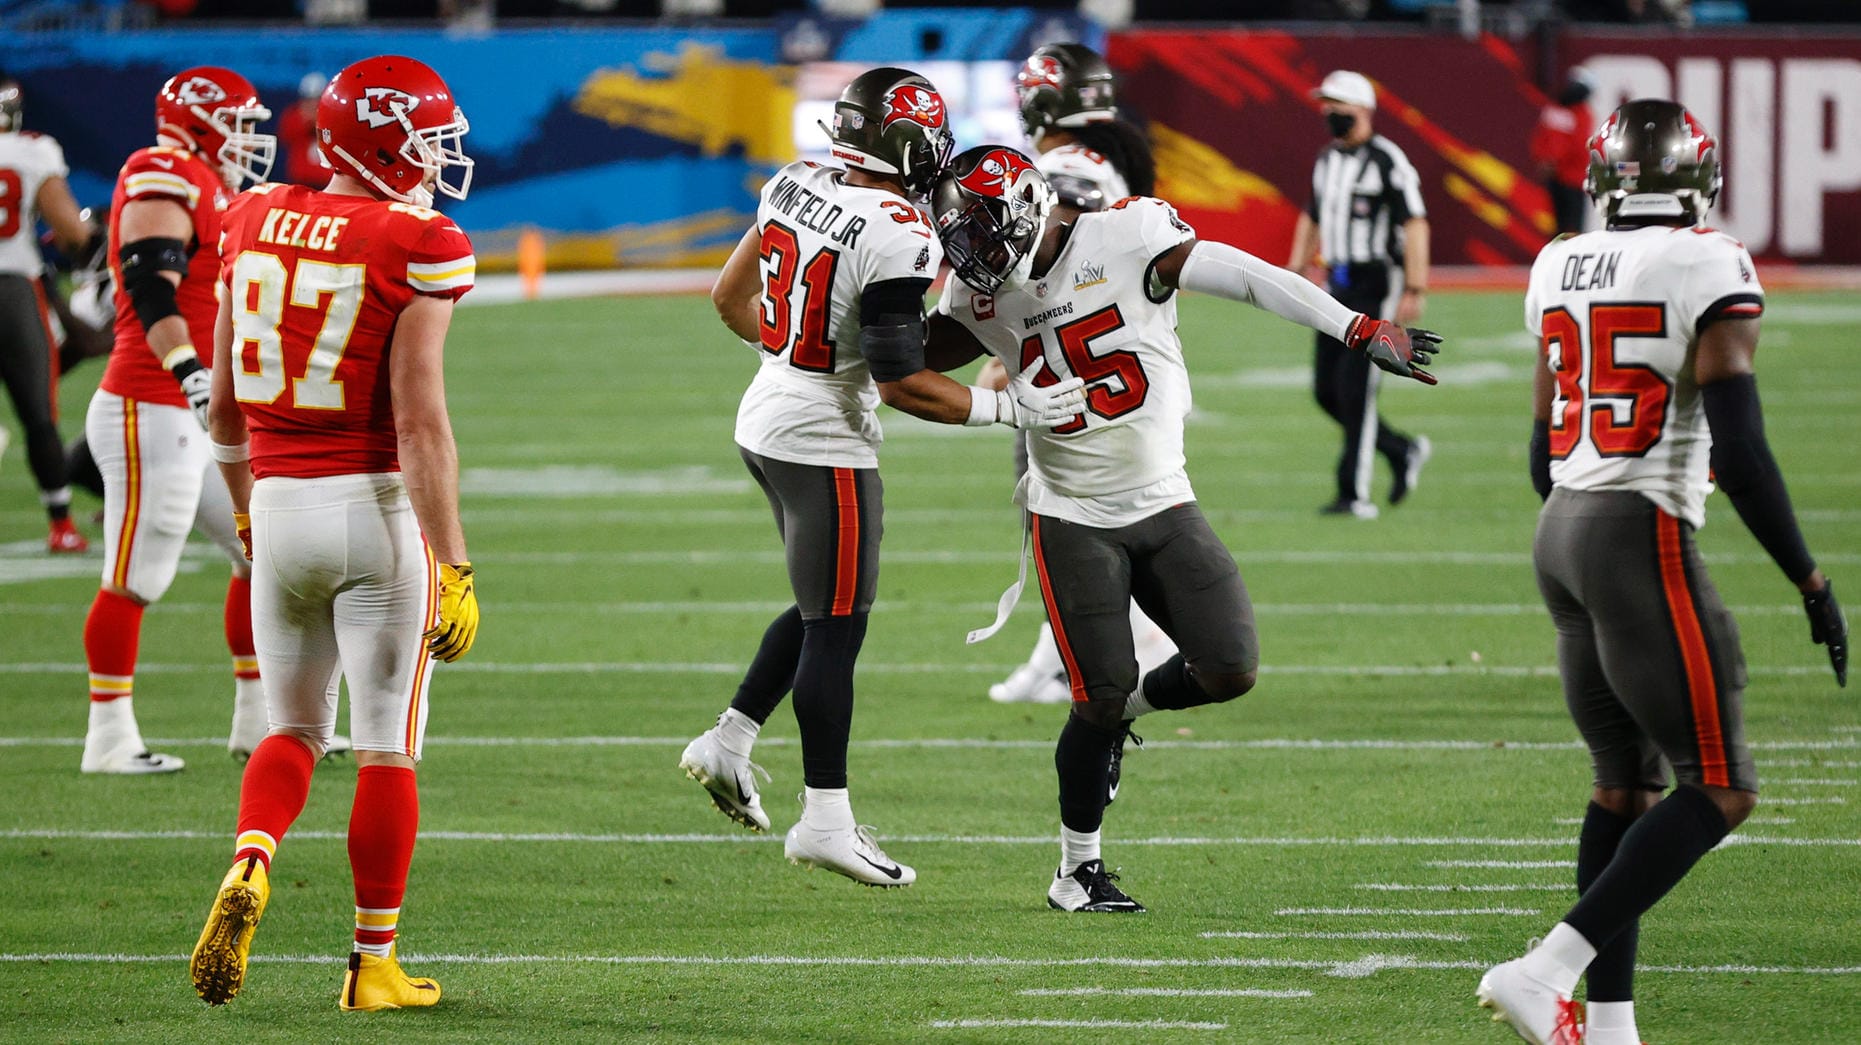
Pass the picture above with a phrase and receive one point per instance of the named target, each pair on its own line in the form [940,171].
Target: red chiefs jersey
[317,282]
[163,173]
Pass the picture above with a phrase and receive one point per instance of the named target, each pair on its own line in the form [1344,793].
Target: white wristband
[983,408]
[232,453]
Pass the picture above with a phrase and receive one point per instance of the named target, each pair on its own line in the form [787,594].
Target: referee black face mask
[1340,123]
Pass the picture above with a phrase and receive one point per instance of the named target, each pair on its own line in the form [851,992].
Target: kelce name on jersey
[288,228]
[1591,271]
[804,206]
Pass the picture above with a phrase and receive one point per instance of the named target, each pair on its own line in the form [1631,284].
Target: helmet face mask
[893,121]
[216,112]
[1651,159]
[990,208]
[392,123]
[1064,85]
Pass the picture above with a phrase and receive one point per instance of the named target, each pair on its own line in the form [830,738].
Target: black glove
[1828,627]
[1401,352]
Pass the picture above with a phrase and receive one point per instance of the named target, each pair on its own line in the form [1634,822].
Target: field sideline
[1332,858]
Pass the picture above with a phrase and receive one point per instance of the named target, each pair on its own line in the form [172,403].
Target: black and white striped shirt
[1360,197]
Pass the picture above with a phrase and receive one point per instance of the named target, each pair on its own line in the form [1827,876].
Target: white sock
[1611,1023]
[736,732]
[1135,704]
[1560,960]
[827,807]
[1046,655]
[111,721]
[59,498]
[1077,847]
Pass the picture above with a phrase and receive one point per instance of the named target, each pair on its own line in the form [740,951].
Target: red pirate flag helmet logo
[997,174]
[1041,70]
[920,105]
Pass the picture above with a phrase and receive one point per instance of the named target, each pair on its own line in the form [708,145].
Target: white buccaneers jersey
[1077,161]
[27,161]
[823,242]
[1617,314]
[1097,314]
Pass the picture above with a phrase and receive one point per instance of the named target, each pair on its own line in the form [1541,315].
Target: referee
[1366,221]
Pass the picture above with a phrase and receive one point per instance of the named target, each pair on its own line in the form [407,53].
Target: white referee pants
[342,587]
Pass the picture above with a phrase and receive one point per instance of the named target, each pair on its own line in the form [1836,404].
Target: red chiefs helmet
[392,122]
[216,112]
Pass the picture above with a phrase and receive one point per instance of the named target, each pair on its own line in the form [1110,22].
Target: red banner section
[1237,131]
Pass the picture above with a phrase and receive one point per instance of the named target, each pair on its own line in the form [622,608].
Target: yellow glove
[458,613]
[242,524]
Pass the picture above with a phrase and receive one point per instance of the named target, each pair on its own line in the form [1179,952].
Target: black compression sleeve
[1540,456]
[891,335]
[1744,468]
[149,291]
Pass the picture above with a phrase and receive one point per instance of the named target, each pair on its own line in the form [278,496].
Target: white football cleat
[850,851]
[126,756]
[1028,684]
[1540,1013]
[730,779]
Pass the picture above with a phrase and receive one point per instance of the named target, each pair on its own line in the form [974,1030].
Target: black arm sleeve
[1540,457]
[891,328]
[1746,471]
[143,262]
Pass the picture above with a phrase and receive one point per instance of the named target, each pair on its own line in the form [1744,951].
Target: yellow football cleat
[218,965]
[373,984]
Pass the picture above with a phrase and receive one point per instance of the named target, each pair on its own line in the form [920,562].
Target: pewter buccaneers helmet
[1064,85]
[392,123]
[990,208]
[12,103]
[893,121]
[1651,158]
[216,112]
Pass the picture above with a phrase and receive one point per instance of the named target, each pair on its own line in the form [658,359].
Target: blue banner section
[625,146]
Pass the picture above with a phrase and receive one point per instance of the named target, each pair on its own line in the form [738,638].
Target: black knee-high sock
[1654,855]
[1171,686]
[1611,977]
[824,696]
[82,467]
[772,673]
[1083,760]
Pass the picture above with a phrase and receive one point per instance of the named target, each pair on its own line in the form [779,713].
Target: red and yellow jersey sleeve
[440,262]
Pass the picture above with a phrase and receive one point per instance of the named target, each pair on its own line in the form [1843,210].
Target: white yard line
[1009,1022]
[1396,887]
[696,838]
[1159,992]
[1814,783]
[1408,912]
[1366,934]
[1775,800]
[1505,864]
[902,961]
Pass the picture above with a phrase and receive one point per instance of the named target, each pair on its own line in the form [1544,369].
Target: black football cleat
[1090,888]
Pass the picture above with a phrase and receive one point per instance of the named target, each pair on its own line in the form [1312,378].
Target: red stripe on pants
[846,565]
[1053,617]
[1702,688]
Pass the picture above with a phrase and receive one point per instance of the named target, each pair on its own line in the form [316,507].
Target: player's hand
[196,383]
[1829,627]
[458,613]
[1027,405]
[242,525]
[1401,352]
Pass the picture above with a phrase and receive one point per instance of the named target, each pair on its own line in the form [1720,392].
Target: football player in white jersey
[32,182]
[1113,516]
[1646,396]
[828,287]
[1091,158]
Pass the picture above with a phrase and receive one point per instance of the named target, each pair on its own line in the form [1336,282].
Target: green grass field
[1332,858]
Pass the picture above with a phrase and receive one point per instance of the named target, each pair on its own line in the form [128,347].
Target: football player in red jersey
[329,421]
[145,423]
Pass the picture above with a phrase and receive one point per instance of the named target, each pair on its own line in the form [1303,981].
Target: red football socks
[382,828]
[239,628]
[112,632]
[271,795]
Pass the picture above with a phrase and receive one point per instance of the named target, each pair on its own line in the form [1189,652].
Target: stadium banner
[1236,129]
[626,147]
[1787,110]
